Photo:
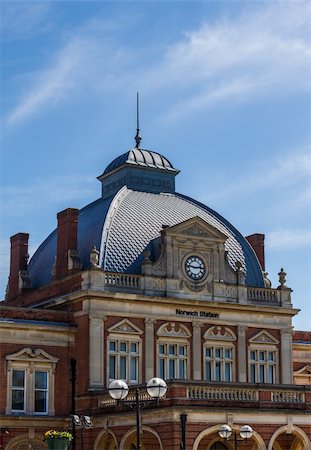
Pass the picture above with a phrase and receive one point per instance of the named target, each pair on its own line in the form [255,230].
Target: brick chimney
[67,258]
[18,278]
[257,241]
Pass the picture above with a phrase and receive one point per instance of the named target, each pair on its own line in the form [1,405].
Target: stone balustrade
[287,396]
[263,295]
[114,279]
[210,393]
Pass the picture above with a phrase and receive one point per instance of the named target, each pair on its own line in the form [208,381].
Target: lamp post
[118,390]
[82,422]
[246,432]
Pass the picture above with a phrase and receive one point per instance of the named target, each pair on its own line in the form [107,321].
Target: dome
[140,157]
[123,225]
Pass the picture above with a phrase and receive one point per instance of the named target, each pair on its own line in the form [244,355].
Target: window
[31,382]
[218,363]
[173,351]
[173,360]
[262,364]
[123,360]
[218,354]
[263,358]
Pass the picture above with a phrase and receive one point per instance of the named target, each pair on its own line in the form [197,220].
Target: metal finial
[138,136]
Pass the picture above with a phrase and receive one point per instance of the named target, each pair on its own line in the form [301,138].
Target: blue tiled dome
[123,224]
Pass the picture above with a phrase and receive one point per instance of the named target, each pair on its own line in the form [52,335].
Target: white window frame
[263,364]
[127,354]
[175,358]
[219,361]
[30,362]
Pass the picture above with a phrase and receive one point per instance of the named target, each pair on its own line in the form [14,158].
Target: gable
[263,337]
[27,354]
[197,228]
[125,327]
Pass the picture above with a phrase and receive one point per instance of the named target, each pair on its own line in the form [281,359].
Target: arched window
[173,351]
[219,354]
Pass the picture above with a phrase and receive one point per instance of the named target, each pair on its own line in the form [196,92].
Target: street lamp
[118,390]
[83,422]
[246,432]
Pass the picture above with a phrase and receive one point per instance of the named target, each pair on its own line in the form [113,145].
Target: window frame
[176,358]
[31,362]
[223,345]
[128,355]
[257,363]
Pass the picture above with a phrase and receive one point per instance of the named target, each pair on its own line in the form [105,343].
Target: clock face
[195,267]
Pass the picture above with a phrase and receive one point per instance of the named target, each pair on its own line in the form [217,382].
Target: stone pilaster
[149,349]
[96,358]
[242,367]
[286,356]
[197,351]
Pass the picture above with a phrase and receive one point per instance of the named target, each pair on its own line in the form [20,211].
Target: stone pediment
[219,333]
[196,228]
[263,337]
[125,327]
[306,370]
[172,329]
[27,354]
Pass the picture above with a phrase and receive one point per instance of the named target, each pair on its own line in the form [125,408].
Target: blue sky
[225,95]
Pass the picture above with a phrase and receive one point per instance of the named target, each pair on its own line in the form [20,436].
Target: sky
[224,95]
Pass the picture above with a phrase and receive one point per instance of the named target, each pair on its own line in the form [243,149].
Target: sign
[195,313]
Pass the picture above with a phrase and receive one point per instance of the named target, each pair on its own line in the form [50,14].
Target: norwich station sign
[181,312]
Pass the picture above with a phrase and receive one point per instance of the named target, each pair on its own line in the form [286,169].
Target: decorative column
[96,358]
[286,356]
[197,351]
[242,367]
[149,348]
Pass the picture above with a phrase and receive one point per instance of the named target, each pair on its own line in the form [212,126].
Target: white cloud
[47,191]
[20,19]
[53,83]
[264,49]
[288,239]
[293,169]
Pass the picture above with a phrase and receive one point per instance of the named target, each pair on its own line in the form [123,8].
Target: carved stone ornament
[219,333]
[264,338]
[197,231]
[173,329]
[27,354]
[94,257]
[196,287]
[126,327]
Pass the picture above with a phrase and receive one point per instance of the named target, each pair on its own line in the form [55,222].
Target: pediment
[172,329]
[306,370]
[219,333]
[196,228]
[263,337]
[28,354]
[125,327]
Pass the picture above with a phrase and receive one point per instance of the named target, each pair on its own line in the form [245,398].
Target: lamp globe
[156,387]
[118,389]
[225,431]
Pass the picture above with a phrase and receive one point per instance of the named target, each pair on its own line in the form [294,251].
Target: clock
[195,267]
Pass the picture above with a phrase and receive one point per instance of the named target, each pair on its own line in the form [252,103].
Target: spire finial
[138,136]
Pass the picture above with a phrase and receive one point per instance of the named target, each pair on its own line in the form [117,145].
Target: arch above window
[173,329]
[219,333]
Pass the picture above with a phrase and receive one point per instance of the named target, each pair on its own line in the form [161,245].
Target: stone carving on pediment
[306,370]
[125,327]
[220,333]
[27,354]
[197,231]
[264,338]
[173,329]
